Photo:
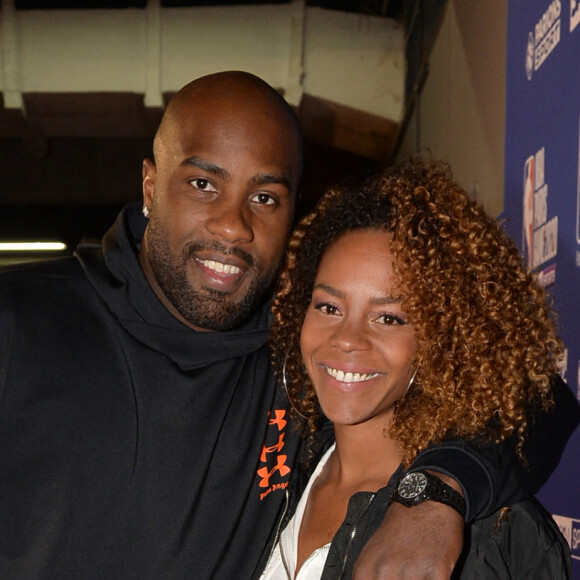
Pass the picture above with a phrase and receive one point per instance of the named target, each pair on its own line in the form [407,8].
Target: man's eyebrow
[212,168]
[260,179]
[378,301]
[267,178]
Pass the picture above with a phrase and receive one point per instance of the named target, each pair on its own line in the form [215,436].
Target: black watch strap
[419,486]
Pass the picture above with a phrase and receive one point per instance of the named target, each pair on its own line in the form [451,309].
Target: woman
[405,316]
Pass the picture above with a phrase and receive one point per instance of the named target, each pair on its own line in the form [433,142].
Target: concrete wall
[461,114]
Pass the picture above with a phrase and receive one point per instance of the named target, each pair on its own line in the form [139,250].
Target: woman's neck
[365,457]
[364,460]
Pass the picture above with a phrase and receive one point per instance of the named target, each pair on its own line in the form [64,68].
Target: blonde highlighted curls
[487,343]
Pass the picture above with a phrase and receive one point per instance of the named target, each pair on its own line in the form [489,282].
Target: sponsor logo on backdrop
[547,276]
[540,235]
[578,199]
[570,529]
[544,38]
[574,14]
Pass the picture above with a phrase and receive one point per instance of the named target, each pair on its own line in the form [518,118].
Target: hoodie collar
[113,269]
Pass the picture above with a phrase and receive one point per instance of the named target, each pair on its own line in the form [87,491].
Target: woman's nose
[350,335]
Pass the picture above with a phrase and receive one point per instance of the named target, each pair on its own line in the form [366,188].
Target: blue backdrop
[542,194]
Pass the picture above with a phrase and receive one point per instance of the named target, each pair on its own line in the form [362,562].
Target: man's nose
[230,221]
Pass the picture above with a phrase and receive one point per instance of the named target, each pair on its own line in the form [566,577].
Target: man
[141,431]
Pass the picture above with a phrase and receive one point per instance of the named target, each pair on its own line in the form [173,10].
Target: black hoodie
[130,445]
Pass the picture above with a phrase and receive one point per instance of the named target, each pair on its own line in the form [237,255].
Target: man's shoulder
[59,268]
[30,281]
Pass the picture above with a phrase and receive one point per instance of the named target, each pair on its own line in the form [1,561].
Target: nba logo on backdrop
[540,235]
[528,213]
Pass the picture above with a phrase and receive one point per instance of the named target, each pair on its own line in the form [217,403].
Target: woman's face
[356,343]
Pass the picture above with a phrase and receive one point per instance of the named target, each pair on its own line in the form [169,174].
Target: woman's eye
[202,184]
[326,308]
[390,320]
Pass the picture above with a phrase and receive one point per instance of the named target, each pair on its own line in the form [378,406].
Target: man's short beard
[208,309]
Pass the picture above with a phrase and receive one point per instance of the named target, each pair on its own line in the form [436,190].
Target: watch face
[412,485]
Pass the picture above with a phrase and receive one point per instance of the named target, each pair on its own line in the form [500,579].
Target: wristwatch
[419,486]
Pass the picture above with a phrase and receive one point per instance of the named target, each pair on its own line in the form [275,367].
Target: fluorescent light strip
[32,246]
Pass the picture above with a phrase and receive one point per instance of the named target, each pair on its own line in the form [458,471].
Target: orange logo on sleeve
[281,467]
[279,419]
[277,463]
[277,447]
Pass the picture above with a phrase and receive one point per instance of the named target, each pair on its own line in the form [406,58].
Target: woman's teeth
[350,377]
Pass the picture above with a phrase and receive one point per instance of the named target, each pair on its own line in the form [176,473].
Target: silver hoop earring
[410,382]
[285,385]
[146,211]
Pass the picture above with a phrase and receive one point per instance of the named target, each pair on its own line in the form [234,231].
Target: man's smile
[220,267]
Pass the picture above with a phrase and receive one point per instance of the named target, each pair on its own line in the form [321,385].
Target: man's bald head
[229,93]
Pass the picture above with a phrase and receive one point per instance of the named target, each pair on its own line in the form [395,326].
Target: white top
[282,564]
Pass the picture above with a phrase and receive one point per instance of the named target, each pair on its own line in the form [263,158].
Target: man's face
[221,200]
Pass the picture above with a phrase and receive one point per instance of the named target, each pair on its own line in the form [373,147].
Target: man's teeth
[220,267]
[350,377]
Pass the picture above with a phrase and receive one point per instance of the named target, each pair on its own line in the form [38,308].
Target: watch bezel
[412,485]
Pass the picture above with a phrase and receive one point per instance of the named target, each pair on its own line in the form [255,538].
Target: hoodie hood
[113,268]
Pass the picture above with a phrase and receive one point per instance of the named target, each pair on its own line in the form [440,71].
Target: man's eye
[263,199]
[202,184]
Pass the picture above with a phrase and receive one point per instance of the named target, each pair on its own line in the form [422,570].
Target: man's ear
[149,174]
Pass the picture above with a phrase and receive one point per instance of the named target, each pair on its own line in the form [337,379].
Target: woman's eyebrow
[378,301]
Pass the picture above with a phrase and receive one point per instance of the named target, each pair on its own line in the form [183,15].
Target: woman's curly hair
[487,345]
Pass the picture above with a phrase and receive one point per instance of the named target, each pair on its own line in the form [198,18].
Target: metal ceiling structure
[84,83]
